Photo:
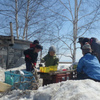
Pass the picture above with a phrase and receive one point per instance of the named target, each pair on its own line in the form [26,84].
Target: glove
[33,65]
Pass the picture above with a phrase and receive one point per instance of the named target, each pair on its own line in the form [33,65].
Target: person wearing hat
[31,57]
[82,41]
[88,66]
[95,45]
[50,59]
[35,42]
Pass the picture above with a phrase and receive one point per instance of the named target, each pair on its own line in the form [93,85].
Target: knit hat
[39,47]
[35,42]
[85,40]
[80,40]
[86,46]
[52,48]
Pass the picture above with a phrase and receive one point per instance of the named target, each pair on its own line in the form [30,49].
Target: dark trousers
[29,66]
[81,76]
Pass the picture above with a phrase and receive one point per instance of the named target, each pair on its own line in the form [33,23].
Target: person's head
[52,51]
[86,48]
[83,40]
[86,40]
[38,48]
[80,40]
[94,39]
[36,42]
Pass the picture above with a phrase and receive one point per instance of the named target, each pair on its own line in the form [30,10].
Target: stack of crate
[62,77]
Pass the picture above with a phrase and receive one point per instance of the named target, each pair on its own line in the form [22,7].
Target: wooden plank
[65,62]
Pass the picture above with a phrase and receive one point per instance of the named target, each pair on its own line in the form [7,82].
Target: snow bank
[72,90]
[68,90]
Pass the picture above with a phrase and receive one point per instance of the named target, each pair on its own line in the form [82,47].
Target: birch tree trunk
[16,17]
[75,31]
[26,21]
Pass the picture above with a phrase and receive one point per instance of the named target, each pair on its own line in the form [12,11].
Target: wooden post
[11,31]
[7,62]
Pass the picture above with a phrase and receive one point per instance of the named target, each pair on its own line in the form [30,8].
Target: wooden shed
[10,52]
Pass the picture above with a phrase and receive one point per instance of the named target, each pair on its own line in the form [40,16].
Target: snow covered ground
[67,90]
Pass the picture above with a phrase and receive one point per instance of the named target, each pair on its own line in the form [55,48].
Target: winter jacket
[90,65]
[50,60]
[95,45]
[30,56]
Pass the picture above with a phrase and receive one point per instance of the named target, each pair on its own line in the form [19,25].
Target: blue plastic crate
[19,81]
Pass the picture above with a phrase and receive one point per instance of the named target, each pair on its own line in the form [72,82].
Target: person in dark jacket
[35,42]
[31,57]
[88,66]
[95,45]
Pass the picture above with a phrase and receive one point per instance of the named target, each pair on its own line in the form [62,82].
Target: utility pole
[11,31]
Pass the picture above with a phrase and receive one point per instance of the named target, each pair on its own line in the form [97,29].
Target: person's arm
[80,65]
[34,59]
[56,62]
[27,54]
[44,59]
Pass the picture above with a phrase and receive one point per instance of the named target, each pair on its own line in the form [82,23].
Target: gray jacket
[95,45]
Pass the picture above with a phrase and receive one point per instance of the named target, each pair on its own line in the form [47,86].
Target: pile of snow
[68,90]
[23,66]
[20,62]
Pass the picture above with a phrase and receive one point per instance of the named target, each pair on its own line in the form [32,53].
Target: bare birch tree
[41,19]
[79,14]
[16,17]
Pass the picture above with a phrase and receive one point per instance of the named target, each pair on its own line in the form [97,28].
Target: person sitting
[50,59]
[31,57]
[88,66]
[35,42]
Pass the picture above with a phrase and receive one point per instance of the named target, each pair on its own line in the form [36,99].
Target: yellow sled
[4,87]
